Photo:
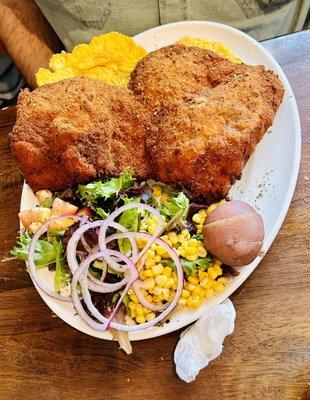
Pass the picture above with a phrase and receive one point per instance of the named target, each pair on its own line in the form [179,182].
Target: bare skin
[27,36]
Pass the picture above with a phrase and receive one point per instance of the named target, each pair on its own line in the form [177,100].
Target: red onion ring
[31,264]
[110,220]
[104,324]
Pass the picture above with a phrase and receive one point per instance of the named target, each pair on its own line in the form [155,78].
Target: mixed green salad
[158,232]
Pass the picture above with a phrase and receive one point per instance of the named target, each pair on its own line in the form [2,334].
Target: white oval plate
[268,180]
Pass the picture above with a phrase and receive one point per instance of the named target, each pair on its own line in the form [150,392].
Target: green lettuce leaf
[178,205]
[102,214]
[190,267]
[61,277]
[94,191]
[44,252]
[130,220]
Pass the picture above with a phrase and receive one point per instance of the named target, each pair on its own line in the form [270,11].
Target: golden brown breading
[205,143]
[172,73]
[71,131]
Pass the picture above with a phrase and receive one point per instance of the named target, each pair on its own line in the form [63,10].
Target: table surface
[267,357]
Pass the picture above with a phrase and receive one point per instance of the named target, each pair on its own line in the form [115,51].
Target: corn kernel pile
[160,281]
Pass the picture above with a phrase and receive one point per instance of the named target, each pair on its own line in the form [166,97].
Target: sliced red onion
[137,285]
[110,220]
[103,324]
[31,264]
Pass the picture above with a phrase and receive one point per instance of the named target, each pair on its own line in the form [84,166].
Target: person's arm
[27,36]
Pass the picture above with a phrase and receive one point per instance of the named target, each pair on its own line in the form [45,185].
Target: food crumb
[128,380]
[162,358]
[306,178]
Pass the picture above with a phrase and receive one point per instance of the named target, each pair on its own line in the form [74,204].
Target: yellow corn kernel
[149,298]
[167,272]
[133,314]
[192,258]
[149,263]
[202,274]
[198,291]
[217,262]
[157,190]
[212,273]
[191,287]
[218,270]
[161,280]
[157,269]
[141,243]
[173,237]
[218,287]
[203,213]
[149,316]
[182,301]
[156,299]
[199,228]
[130,291]
[193,279]
[166,294]
[196,301]
[148,273]
[142,274]
[149,284]
[170,283]
[140,319]
[223,281]
[185,293]
[182,253]
[211,208]
[134,298]
[208,293]
[191,251]
[204,282]
[202,252]
[131,305]
[144,292]
[139,309]
[185,234]
[158,290]
[151,229]
[157,259]
[196,218]
[150,254]
[153,218]
[161,251]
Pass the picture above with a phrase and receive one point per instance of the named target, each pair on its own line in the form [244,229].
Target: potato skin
[234,233]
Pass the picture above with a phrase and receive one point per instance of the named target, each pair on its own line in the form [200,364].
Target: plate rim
[155,331]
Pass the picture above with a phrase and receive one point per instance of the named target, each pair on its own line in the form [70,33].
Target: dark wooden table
[267,357]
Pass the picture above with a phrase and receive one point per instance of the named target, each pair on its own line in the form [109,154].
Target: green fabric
[77,21]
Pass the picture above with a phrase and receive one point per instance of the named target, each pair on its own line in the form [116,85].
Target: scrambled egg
[217,47]
[109,57]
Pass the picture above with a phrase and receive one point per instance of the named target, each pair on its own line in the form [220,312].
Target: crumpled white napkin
[203,341]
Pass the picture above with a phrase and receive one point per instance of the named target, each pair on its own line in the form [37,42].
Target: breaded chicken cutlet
[76,129]
[221,112]
[209,115]
[170,74]
[206,142]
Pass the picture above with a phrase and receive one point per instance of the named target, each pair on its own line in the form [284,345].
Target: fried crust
[74,130]
[205,142]
[172,73]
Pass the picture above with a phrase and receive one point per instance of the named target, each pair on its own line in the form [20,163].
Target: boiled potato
[234,233]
